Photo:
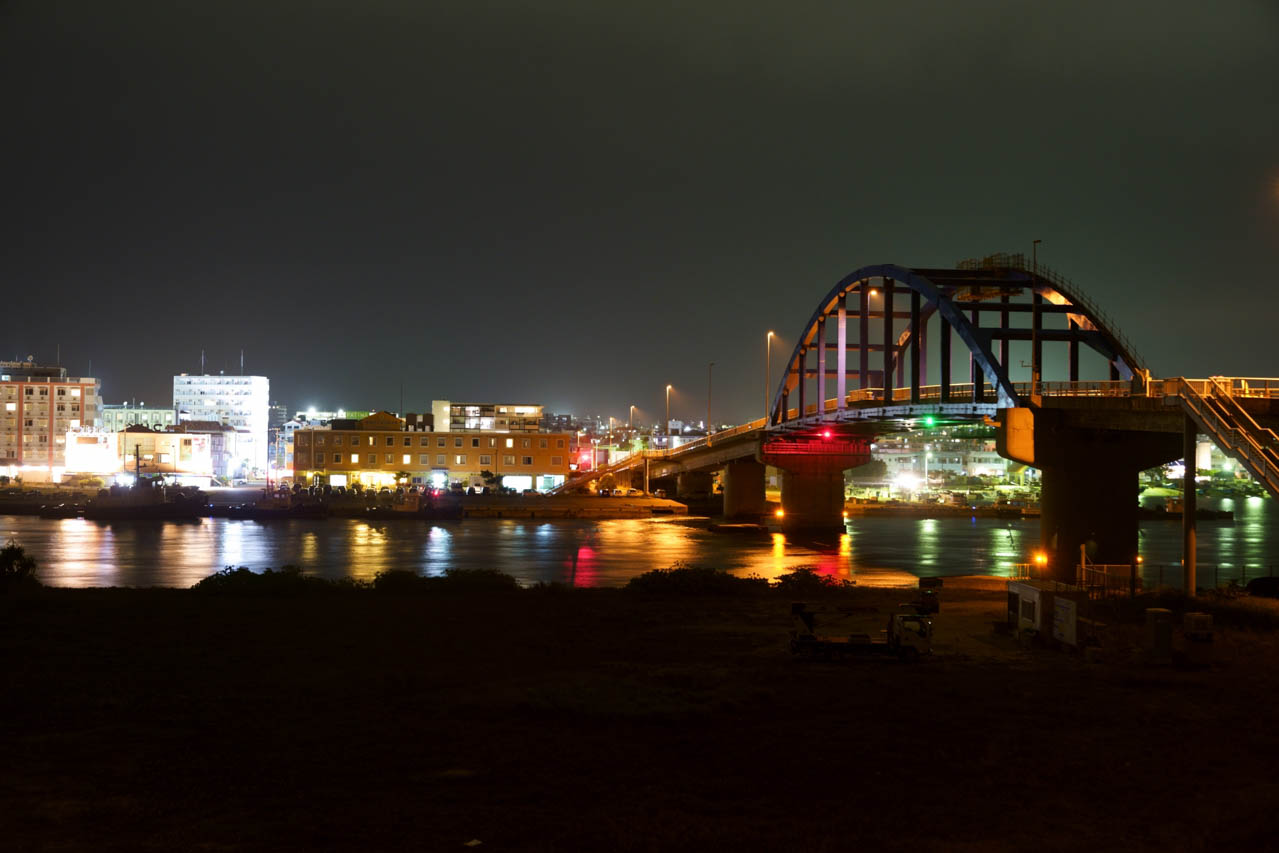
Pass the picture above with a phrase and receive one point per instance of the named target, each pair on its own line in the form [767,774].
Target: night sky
[576,203]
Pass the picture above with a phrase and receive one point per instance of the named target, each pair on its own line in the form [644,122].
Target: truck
[908,635]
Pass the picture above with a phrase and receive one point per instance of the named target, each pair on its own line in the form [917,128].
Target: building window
[524,442]
[559,442]
[510,442]
[486,460]
[408,440]
[424,459]
[526,460]
[475,442]
[355,459]
[439,442]
[319,440]
[492,442]
[337,439]
[542,443]
[508,460]
[439,459]
[406,459]
[390,441]
[337,458]
[557,461]
[461,459]
[457,442]
[371,459]
[424,442]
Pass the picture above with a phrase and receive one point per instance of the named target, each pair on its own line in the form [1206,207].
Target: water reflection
[74,552]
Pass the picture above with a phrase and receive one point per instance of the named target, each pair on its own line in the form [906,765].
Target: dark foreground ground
[606,720]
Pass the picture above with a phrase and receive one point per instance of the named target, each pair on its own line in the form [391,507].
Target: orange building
[378,451]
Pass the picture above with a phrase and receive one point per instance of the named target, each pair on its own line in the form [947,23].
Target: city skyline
[581,208]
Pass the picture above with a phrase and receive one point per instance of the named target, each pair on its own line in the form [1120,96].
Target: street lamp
[1035,367]
[710,368]
[768,369]
[630,418]
[667,428]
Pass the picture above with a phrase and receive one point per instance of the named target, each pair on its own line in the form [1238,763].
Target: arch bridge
[882,351]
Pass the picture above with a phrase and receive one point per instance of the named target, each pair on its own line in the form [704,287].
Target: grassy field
[552,719]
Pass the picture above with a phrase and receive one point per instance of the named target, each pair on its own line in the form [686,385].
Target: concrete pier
[1090,482]
[744,490]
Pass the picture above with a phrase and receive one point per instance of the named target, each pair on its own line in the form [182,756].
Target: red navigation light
[826,434]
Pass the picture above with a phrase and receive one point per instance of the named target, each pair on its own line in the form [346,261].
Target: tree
[492,481]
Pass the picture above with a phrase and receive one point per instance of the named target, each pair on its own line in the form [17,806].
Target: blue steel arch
[1091,328]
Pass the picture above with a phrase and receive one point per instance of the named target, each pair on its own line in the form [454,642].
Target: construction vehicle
[909,634]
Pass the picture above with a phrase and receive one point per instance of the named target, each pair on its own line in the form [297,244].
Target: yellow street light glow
[1040,558]
[874,292]
[780,513]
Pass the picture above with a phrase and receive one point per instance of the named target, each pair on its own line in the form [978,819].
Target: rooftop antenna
[242,362]
[57,359]
[401,398]
[201,362]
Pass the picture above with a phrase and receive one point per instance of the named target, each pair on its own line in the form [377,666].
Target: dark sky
[577,202]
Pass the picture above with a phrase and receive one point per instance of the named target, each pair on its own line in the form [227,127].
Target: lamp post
[710,368]
[667,428]
[768,369]
[1035,320]
[630,418]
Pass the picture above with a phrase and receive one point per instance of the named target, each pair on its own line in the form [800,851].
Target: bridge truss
[863,354]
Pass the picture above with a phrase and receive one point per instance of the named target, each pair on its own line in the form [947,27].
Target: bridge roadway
[1088,438]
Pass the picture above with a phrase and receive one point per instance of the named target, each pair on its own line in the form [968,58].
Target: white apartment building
[116,418]
[486,417]
[39,404]
[241,402]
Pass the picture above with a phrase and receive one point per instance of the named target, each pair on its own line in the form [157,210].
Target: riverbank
[556,719]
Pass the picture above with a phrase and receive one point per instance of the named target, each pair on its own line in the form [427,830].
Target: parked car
[659,493]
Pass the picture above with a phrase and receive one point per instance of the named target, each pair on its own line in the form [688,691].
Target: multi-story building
[115,418]
[378,451]
[448,416]
[240,402]
[39,405]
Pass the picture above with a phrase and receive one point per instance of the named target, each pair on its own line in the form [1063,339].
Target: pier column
[693,484]
[744,489]
[813,501]
[1189,543]
[1089,482]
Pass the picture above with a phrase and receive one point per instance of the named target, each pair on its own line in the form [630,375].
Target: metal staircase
[1213,406]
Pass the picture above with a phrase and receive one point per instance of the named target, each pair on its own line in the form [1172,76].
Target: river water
[79,553]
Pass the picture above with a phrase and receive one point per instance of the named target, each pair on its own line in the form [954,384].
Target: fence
[1107,580]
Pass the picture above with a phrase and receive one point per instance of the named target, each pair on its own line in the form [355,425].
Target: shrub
[476,579]
[694,580]
[288,581]
[16,568]
[805,581]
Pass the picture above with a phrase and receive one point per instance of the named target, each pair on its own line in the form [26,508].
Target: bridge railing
[1077,294]
[1244,442]
[962,392]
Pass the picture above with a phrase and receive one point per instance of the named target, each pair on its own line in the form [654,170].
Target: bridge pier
[693,484]
[744,490]
[812,469]
[1089,482]
[813,501]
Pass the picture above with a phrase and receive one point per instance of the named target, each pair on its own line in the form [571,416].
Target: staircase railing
[1235,431]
